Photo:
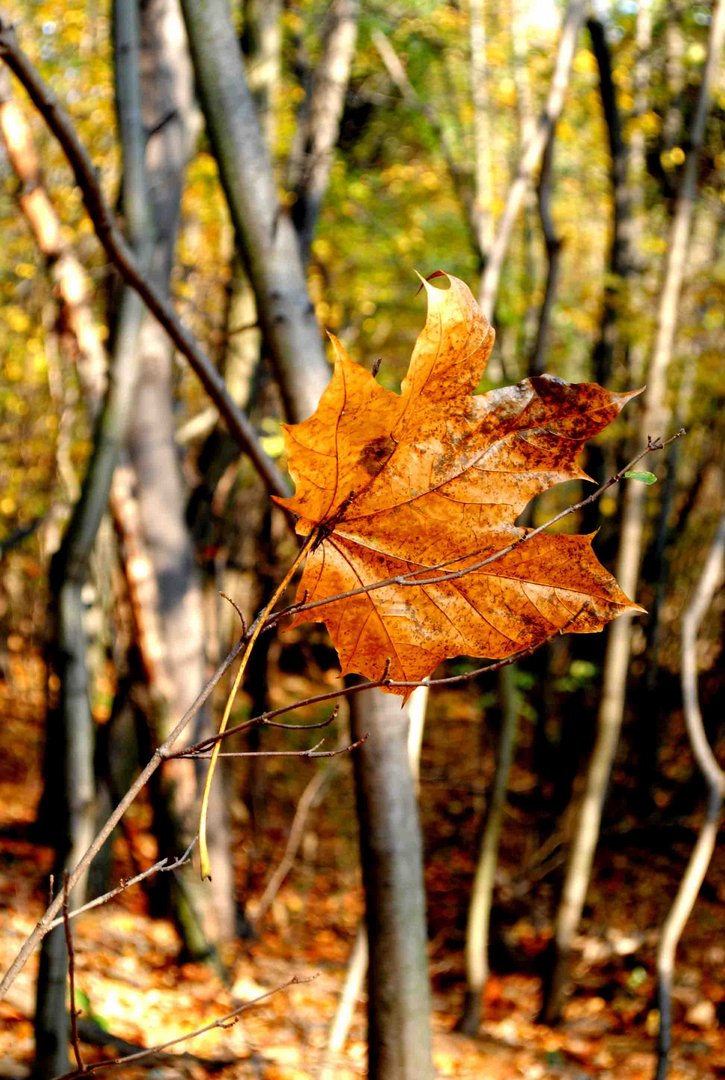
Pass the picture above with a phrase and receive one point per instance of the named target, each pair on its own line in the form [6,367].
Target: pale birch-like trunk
[202,914]
[479,908]
[319,123]
[531,155]
[708,584]
[616,665]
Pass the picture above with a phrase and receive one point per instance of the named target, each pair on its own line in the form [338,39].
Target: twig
[250,639]
[261,721]
[313,751]
[71,980]
[412,577]
[111,237]
[264,719]
[163,866]
[311,793]
[228,1020]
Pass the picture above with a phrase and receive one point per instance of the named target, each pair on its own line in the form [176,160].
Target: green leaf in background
[643,477]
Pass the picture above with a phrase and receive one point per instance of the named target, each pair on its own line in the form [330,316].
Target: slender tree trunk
[611,710]
[619,260]
[553,244]
[479,909]
[392,859]
[319,125]
[707,586]
[532,154]
[266,235]
[358,963]
[70,727]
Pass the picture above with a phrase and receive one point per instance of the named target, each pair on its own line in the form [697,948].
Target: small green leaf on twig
[643,477]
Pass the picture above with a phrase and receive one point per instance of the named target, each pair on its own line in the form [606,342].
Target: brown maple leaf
[429,483]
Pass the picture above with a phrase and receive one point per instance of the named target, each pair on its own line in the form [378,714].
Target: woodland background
[402,136]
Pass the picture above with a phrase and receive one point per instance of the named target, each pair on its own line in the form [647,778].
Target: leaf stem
[259,626]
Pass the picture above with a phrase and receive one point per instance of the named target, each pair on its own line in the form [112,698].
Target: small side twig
[163,866]
[228,1020]
[312,792]
[312,752]
[75,1041]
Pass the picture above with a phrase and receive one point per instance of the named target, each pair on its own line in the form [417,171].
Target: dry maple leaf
[430,482]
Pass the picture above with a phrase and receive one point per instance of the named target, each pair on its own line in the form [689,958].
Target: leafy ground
[131,982]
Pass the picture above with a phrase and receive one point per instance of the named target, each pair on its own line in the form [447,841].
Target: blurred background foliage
[392,207]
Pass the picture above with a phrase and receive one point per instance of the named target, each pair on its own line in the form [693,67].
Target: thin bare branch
[313,751]
[163,866]
[122,257]
[228,1020]
[71,980]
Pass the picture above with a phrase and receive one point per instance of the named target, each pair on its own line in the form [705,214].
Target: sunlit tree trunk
[319,124]
[531,156]
[655,417]
[202,914]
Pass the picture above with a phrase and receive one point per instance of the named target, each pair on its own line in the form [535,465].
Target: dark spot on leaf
[375,453]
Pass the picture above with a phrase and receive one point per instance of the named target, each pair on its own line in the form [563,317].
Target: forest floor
[131,983]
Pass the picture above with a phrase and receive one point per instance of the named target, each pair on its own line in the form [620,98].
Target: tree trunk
[319,125]
[479,910]
[399,1043]
[553,244]
[707,586]
[169,115]
[611,710]
[70,727]
[531,156]
[399,995]
[266,235]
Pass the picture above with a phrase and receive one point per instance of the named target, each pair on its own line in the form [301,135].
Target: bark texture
[391,855]
[169,115]
[267,237]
